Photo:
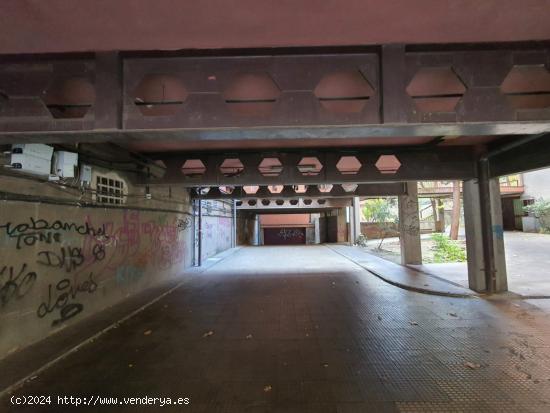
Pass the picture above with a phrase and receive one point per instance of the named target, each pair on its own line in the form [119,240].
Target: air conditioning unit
[37,150]
[33,158]
[65,164]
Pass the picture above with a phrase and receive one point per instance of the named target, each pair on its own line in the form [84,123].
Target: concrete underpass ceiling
[67,26]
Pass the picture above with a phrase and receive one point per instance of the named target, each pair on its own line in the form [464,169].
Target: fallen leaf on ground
[453,314]
[147,332]
[267,388]
[413,323]
[471,365]
[208,334]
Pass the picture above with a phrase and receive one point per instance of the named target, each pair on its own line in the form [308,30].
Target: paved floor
[527,263]
[302,329]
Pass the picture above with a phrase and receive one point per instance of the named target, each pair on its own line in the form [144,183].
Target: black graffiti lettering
[30,239]
[17,284]
[69,258]
[35,225]
[98,251]
[183,224]
[59,298]
[69,311]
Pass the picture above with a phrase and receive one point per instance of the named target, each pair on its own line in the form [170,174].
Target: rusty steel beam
[291,205]
[317,133]
[384,92]
[530,153]
[427,163]
[289,192]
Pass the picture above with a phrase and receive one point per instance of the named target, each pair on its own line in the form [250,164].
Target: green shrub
[447,250]
[541,210]
[361,240]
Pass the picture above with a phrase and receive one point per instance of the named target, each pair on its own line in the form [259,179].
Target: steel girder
[289,192]
[372,166]
[383,91]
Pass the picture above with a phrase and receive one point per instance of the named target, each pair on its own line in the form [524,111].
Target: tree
[381,211]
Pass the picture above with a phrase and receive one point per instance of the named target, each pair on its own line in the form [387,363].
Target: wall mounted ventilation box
[31,158]
[30,164]
[85,175]
[37,150]
[65,163]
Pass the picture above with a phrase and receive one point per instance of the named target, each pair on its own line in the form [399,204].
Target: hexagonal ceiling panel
[226,189]
[231,167]
[348,165]
[388,164]
[270,167]
[69,98]
[251,189]
[527,87]
[251,94]
[193,168]
[344,92]
[349,187]
[436,89]
[310,166]
[300,189]
[275,189]
[202,190]
[160,95]
[325,188]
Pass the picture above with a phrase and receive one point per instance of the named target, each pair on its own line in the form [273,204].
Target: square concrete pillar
[409,226]
[474,237]
[342,225]
[355,219]
[479,272]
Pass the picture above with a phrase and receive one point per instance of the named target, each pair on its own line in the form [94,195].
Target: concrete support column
[256,231]
[234,224]
[355,219]
[409,226]
[341,225]
[484,236]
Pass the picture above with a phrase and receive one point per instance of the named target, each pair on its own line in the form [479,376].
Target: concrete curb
[406,286]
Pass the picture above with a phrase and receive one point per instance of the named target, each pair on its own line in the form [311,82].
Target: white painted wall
[537,184]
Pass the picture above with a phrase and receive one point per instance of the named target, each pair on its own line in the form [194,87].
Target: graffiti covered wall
[64,257]
[58,263]
[217,226]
